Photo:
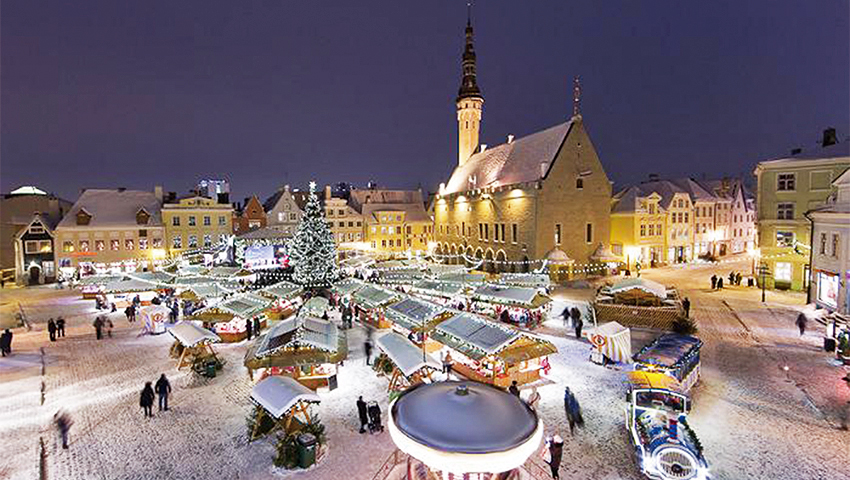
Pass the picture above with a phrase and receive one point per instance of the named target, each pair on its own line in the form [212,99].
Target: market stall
[410,364]
[539,281]
[521,306]
[285,297]
[342,290]
[611,342]
[315,306]
[230,316]
[193,343]
[492,352]
[444,293]
[122,292]
[305,348]
[154,318]
[370,303]
[674,355]
[416,318]
[91,285]
[284,400]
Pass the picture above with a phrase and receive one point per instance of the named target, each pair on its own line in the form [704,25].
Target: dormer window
[142,217]
[83,217]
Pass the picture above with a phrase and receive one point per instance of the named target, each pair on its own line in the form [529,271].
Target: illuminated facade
[195,222]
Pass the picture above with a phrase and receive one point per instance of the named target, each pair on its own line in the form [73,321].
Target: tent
[612,340]
[154,318]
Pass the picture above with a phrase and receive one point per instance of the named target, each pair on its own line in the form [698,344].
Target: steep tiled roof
[111,208]
[510,163]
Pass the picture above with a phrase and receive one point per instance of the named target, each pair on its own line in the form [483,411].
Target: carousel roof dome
[556,255]
[465,427]
[604,254]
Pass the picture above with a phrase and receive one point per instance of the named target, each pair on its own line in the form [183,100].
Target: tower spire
[469,101]
[469,83]
[576,96]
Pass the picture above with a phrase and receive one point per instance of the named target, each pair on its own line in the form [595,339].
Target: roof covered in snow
[413,313]
[370,297]
[282,290]
[644,284]
[413,212]
[278,394]
[483,335]
[436,288]
[113,208]
[189,334]
[509,295]
[510,163]
[404,354]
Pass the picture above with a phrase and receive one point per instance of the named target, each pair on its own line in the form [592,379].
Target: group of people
[554,447]
[162,389]
[369,415]
[734,278]
[56,328]
[252,327]
[572,315]
[101,323]
[6,343]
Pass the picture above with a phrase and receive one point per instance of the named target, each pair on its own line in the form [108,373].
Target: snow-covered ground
[755,419]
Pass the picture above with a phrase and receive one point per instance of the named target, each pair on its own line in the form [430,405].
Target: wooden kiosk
[286,401]
[195,342]
[410,365]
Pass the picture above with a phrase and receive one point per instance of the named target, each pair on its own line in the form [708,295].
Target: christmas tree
[312,251]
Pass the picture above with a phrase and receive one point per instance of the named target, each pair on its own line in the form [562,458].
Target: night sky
[134,94]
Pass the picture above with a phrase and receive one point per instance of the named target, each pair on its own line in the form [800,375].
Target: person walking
[109,326]
[362,413]
[738,278]
[447,364]
[146,399]
[514,389]
[720,283]
[257,326]
[51,329]
[60,327]
[566,315]
[6,343]
[248,328]
[533,399]
[686,304]
[367,347]
[731,278]
[556,451]
[163,389]
[577,321]
[98,327]
[572,409]
[802,322]
[63,426]
[714,282]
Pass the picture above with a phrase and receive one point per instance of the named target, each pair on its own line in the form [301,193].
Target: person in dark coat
[513,389]
[248,328]
[714,282]
[109,326]
[60,327]
[51,329]
[63,425]
[556,451]
[577,321]
[686,304]
[6,343]
[362,413]
[367,347]
[731,278]
[572,409]
[257,327]
[163,389]
[802,322]
[146,399]
[720,283]
[505,317]
[128,312]
[98,327]
[738,278]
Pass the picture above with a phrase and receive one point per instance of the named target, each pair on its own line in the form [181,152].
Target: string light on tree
[312,250]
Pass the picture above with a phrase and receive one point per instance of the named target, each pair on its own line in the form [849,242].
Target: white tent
[612,340]
[404,354]
[190,335]
[154,318]
[278,394]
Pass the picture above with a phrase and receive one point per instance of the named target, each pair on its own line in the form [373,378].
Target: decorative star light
[313,186]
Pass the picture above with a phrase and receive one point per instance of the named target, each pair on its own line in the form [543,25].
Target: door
[35,273]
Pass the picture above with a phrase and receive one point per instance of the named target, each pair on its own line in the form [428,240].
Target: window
[383,244]
[254,224]
[643,230]
[177,242]
[67,246]
[513,233]
[686,217]
[115,244]
[157,243]
[207,221]
[658,229]
[398,218]
[486,231]
[31,246]
[651,229]
[392,243]
[785,211]
[221,220]
[784,239]
[207,240]
[129,244]
[175,221]
[502,232]
[143,244]
[835,239]
[359,223]
[340,212]
[823,244]
[785,182]
[557,234]
[383,230]
[84,245]
[293,217]
[191,220]
[579,183]
[409,230]
[193,241]
[350,224]
[373,244]
[279,216]
[588,233]
[783,272]
[36,229]
[143,233]
[652,209]
[374,229]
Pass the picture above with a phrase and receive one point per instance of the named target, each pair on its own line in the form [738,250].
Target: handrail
[389,464]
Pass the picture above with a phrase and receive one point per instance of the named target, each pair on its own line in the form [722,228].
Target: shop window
[129,244]
[84,246]
[67,246]
[782,272]
[115,244]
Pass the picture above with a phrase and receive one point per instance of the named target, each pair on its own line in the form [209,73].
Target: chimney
[157,192]
[286,188]
[510,139]
[796,151]
[224,198]
[829,137]
[653,177]
[482,148]
[327,192]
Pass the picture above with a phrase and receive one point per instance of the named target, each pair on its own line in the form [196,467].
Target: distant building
[394,221]
[283,211]
[34,245]
[111,230]
[251,216]
[787,188]
[737,222]
[830,273]
[218,190]
[194,222]
[545,195]
[17,209]
[345,222]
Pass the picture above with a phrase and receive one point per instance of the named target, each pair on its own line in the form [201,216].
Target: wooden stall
[286,401]
[370,303]
[193,343]
[521,306]
[410,365]
[285,297]
[229,316]
[416,318]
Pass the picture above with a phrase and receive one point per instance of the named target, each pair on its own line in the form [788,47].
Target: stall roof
[299,340]
[641,379]
[192,270]
[98,279]
[278,394]
[531,280]
[316,306]
[223,271]
[440,269]
[668,349]
[282,290]
[187,281]
[482,334]
[527,297]
[347,286]
[245,306]
[465,278]
[152,277]
[526,349]
[127,286]
[404,354]
[189,334]
[438,288]
[370,297]
[414,313]
[357,262]
[400,277]
[643,284]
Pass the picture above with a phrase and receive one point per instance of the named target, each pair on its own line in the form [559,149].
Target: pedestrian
[367,347]
[731,278]
[98,327]
[577,321]
[514,389]
[109,327]
[249,329]
[128,312]
[362,413]
[686,304]
[6,343]
[738,278]
[51,329]
[60,327]
[845,421]
[566,315]
[146,400]
[556,450]
[533,399]
[2,281]
[257,326]
[163,389]
[714,282]
[447,364]
[801,322]
[325,316]
[572,409]
[505,317]
[63,425]
[720,283]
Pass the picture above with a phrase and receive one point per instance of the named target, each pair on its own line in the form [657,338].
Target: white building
[283,211]
[830,282]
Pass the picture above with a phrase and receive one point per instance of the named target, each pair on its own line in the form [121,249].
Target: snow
[279,394]
[189,334]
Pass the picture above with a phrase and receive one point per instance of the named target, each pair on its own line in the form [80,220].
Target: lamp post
[764,270]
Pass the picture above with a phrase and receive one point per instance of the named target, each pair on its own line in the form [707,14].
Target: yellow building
[195,222]
[638,228]
[399,228]
[787,188]
[345,223]
[111,230]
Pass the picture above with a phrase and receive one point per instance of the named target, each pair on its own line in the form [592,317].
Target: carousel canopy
[642,284]
[668,350]
[282,290]
[347,286]
[474,336]
[404,354]
[370,297]
[450,426]
[278,394]
[190,335]
[508,295]
[414,313]
[438,289]
[530,280]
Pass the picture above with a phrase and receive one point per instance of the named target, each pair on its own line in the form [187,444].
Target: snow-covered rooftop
[189,334]
[113,208]
[278,394]
[404,354]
